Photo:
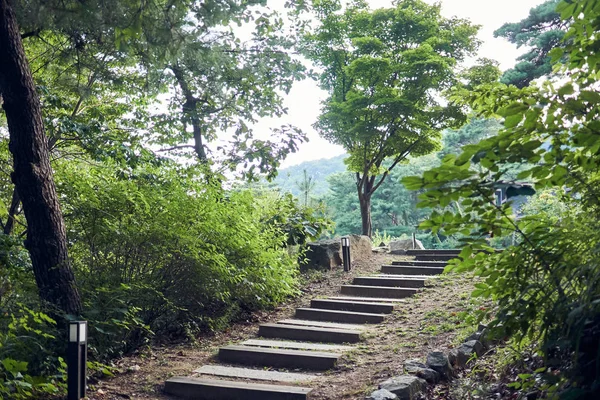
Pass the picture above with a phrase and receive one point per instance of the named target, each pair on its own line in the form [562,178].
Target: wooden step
[368,299]
[254,374]
[212,389]
[280,358]
[406,270]
[388,281]
[283,344]
[323,324]
[412,277]
[440,257]
[428,252]
[350,317]
[352,305]
[378,291]
[309,333]
[440,264]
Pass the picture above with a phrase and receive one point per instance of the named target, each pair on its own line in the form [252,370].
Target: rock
[406,387]
[399,246]
[360,247]
[438,361]
[414,367]
[322,255]
[480,336]
[381,250]
[474,336]
[381,394]
[467,349]
[457,359]
[327,254]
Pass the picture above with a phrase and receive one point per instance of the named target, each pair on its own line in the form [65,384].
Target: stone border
[439,366]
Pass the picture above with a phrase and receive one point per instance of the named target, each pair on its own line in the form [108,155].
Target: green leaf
[513,120]
[566,89]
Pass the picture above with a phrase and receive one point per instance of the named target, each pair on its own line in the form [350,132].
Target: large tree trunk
[32,176]
[365,214]
[365,186]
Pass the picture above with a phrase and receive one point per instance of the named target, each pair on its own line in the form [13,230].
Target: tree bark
[365,192]
[46,235]
[365,214]
[191,114]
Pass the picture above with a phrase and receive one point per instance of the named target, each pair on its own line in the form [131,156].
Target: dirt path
[427,321]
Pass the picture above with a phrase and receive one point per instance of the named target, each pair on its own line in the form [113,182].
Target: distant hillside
[289,178]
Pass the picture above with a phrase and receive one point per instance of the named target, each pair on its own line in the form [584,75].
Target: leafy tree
[472,133]
[385,71]
[342,204]
[101,62]
[541,32]
[546,287]
[394,208]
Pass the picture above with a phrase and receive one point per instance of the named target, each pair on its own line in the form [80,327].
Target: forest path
[422,323]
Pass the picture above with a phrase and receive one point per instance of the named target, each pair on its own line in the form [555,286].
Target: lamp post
[77,360]
[499,197]
[346,253]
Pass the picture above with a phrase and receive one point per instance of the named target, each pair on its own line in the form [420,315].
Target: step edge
[237,385]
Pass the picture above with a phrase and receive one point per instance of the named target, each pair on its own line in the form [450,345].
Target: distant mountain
[290,178]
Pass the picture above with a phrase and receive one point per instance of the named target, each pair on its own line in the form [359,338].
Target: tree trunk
[191,114]
[365,186]
[365,214]
[32,176]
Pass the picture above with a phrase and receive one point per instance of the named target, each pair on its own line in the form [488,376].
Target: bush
[162,251]
[29,364]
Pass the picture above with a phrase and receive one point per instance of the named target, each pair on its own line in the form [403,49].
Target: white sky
[304,100]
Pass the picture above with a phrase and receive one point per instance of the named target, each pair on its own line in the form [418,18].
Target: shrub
[160,250]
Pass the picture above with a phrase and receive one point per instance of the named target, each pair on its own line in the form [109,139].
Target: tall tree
[385,71]
[32,176]
[306,186]
[541,31]
[120,55]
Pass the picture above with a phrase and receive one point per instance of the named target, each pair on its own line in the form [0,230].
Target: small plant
[380,237]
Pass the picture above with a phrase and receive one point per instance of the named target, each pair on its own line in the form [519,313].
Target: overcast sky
[305,98]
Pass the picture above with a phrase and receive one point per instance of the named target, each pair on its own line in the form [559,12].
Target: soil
[430,320]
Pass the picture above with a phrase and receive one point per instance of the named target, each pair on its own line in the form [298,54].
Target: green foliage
[546,286]
[298,223]
[160,250]
[381,69]
[541,31]
[106,70]
[393,207]
[24,336]
[28,362]
[472,133]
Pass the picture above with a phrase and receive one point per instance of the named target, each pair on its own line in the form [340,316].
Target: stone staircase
[311,342]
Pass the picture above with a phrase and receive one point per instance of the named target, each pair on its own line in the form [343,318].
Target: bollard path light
[346,253]
[77,360]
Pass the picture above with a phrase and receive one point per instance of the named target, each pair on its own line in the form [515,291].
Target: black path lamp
[346,253]
[77,360]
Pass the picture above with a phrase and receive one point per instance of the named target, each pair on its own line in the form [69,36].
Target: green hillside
[290,178]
